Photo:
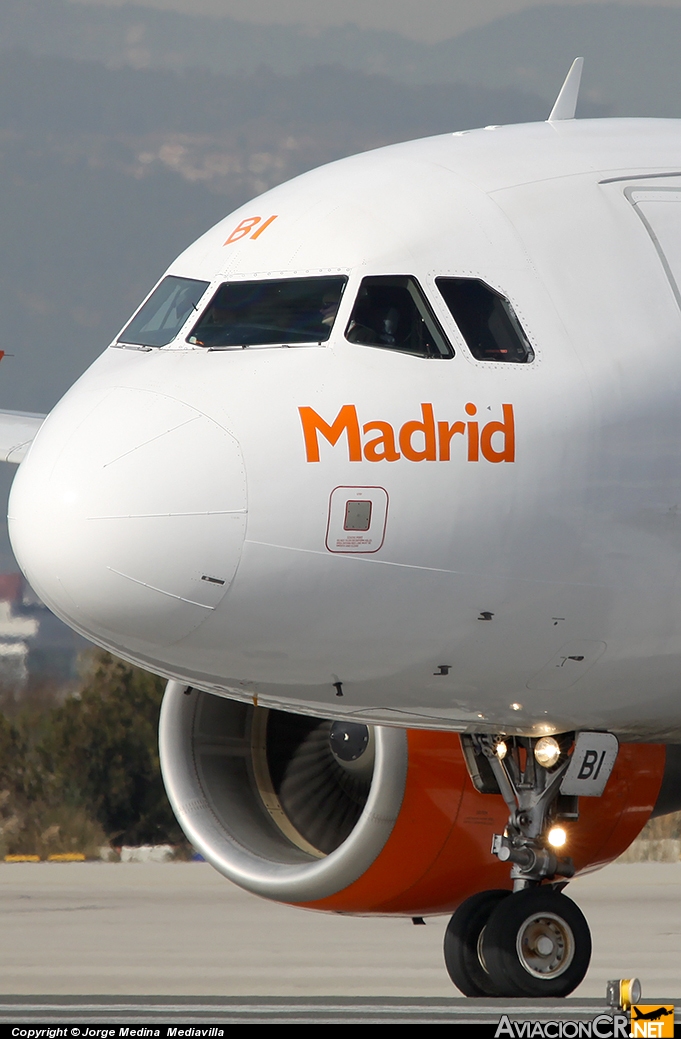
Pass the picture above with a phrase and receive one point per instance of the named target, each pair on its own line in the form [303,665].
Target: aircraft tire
[462,943]
[537,943]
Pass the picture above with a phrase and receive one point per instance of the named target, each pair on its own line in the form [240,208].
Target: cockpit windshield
[165,312]
[486,320]
[260,313]
[392,312]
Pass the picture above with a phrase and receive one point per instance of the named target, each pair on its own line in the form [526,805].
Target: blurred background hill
[631,50]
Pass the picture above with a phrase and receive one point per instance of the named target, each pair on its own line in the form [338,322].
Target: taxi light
[500,750]
[557,837]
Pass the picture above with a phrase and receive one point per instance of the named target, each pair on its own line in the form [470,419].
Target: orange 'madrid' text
[418,440]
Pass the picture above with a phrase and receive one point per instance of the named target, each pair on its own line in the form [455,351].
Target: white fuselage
[171,508]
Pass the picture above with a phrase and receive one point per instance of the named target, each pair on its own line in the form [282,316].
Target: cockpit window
[260,313]
[391,312]
[486,320]
[165,312]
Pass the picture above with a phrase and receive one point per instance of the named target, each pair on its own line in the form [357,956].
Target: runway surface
[278,1010]
[179,930]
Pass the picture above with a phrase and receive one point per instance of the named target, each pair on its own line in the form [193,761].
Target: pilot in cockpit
[375,321]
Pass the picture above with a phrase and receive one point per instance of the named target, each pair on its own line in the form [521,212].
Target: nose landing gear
[535,941]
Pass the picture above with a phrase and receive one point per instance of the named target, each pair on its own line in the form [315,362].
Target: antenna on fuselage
[566,102]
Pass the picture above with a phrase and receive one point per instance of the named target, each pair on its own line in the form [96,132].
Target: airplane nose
[128,516]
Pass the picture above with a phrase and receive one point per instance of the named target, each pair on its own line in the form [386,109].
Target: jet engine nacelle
[348,818]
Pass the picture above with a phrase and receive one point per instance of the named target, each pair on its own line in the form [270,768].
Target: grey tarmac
[159,936]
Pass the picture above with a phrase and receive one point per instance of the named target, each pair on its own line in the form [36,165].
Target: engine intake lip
[204,743]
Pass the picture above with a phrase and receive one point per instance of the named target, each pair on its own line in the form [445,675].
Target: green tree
[101,753]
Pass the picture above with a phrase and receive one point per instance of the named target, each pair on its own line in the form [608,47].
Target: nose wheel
[533,943]
[538,945]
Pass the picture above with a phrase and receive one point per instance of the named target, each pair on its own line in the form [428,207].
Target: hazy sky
[420,19]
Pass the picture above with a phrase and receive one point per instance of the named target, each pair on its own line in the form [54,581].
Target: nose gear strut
[531,792]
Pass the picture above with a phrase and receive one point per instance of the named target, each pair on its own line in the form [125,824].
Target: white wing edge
[17,432]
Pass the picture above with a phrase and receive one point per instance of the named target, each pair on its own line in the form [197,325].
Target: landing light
[547,751]
[500,750]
